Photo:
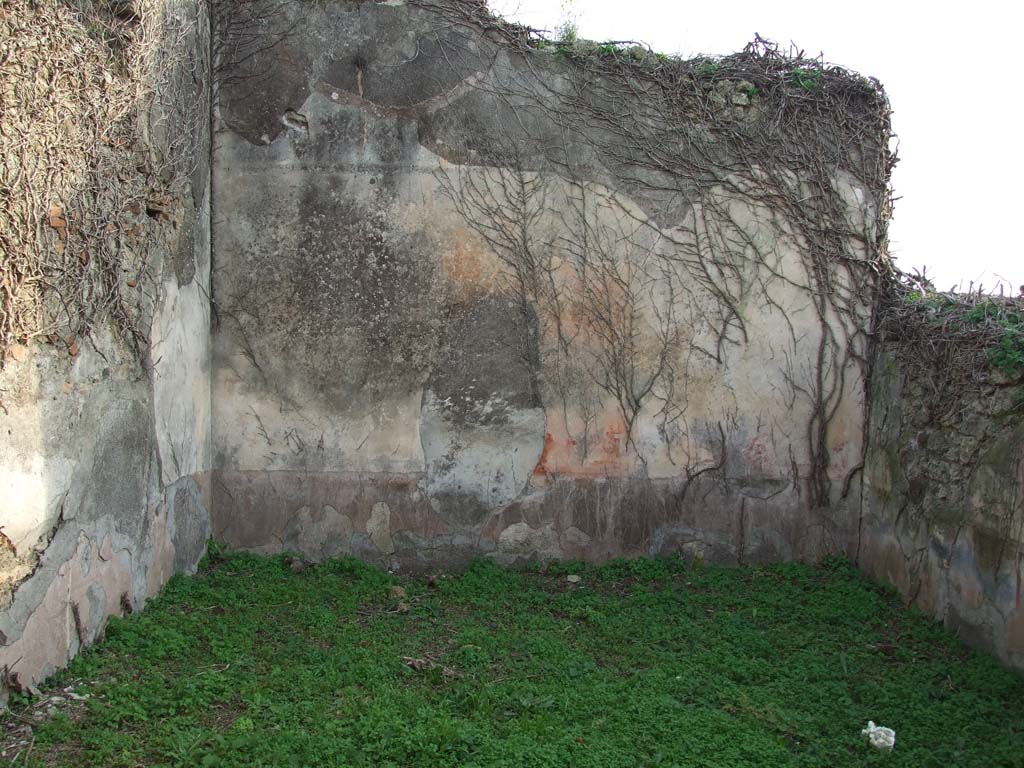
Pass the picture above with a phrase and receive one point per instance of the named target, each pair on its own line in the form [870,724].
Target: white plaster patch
[181,383]
[492,462]
[32,497]
[379,528]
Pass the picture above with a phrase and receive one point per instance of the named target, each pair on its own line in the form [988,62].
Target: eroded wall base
[94,571]
[391,520]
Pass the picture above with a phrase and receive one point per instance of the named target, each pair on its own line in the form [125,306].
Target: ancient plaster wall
[453,318]
[105,474]
[436,342]
[944,501]
[106,453]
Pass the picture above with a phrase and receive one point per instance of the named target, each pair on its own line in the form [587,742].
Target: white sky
[953,79]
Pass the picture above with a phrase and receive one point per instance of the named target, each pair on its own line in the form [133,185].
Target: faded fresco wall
[105,459]
[944,499]
[462,311]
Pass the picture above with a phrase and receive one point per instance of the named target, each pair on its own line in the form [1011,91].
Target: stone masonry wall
[944,500]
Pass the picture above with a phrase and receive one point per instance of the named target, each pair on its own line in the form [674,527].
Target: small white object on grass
[880,736]
[573,579]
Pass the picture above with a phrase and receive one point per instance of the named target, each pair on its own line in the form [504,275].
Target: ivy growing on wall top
[959,340]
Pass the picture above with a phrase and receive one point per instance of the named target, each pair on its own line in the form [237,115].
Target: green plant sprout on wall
[975,331]
[808,79]
[568,29]
[1010,350]
[708,67]
[1007,354]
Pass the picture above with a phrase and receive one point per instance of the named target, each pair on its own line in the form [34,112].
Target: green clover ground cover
[644,663]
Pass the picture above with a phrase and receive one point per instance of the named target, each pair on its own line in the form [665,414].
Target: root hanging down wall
[479,294]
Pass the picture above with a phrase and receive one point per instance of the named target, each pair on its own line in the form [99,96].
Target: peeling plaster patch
[159,551]
[66,603]
[482,423]
[32,495]
[96,596]
[74,432]
[379,528]
[181,379]
[490,464]
[520,541]
[72,613]
[321,535]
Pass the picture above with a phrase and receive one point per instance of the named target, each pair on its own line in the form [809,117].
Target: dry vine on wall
[95,138]
[588,282]
[706,147]
[106,111]
[103,113]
